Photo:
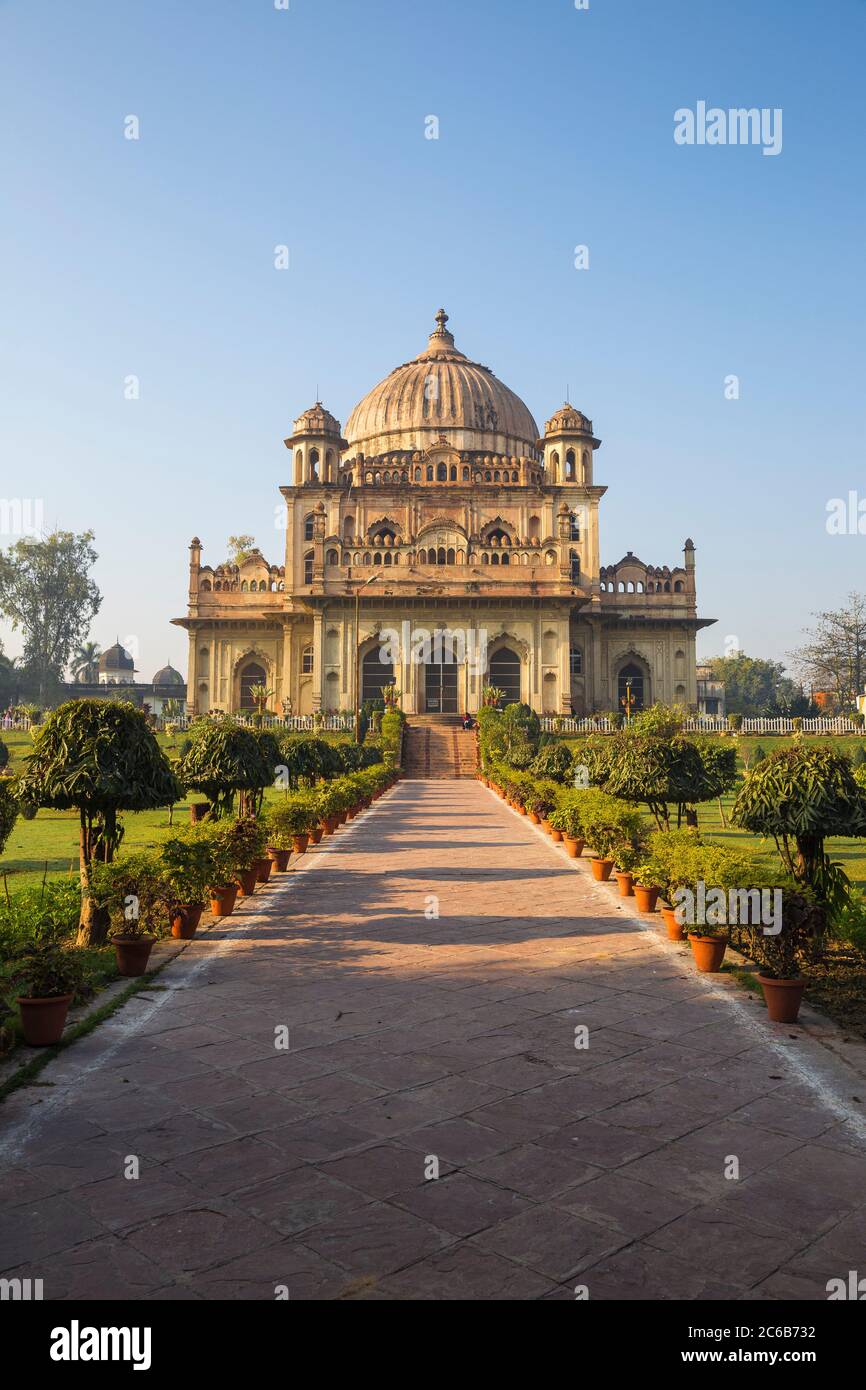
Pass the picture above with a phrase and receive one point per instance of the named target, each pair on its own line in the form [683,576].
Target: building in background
[116,681]
[711,693]
[442,510]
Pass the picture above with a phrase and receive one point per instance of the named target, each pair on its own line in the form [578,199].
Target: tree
[240,548]
[656,771]
[834,657]
[800,796]
[8,812]
[9,680]
[97,757]
[46,592]
[751,684]
[221,760]
[85,661]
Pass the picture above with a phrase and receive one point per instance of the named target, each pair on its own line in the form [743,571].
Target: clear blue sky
[306,127]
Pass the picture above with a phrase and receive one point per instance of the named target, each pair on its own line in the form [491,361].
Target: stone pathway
[419,1040]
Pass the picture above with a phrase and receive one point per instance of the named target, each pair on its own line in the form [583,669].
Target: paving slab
[500,1082]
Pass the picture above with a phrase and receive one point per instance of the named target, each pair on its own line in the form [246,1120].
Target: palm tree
[85,662]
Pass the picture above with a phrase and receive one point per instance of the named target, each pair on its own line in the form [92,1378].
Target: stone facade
[443,512]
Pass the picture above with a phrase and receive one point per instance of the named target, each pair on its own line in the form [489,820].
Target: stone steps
[438,748]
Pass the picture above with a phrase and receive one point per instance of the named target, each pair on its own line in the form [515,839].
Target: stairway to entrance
[434,745]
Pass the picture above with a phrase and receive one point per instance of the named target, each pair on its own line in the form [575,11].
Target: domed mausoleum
[468,543]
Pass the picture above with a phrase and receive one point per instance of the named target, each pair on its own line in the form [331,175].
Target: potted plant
[804,922]
[291,822]
[222,888]
[627,857]
[566,819]
[132,891]
[45,978]
[709,946]
[648,884]
[187,867]
[246,838]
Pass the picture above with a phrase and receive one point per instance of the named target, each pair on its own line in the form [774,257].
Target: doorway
[440,685]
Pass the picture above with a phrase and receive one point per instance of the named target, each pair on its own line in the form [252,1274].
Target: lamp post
[628,700]
[371,580]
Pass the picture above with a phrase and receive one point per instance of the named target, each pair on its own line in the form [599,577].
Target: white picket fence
[707,724]
[296,723]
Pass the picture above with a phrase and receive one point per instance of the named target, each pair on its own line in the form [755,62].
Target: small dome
[116,659]
[567,420]
[317,420]
[168,676]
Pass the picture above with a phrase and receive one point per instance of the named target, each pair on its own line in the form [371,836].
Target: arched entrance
[375,674]
[252,674]
[631,677]
[505,674]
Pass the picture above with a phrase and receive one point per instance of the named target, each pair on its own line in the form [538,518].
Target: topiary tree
[657,771]
[97,757]
[800,796]
[222,760]
[720,772]
[8,813]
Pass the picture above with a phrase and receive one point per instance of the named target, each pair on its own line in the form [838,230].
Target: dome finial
[441,319]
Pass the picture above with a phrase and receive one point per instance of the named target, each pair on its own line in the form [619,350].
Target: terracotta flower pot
[573,847]
[675,929]
[533,817]
[246,881]
[783,998]
[601,869]
[222,900]
[280,859]
[555,835]
[329,824]
[264,867]
[132,953]
[43,1020]
[299,843]
[521,810]
[708,951]
[185,920]
[546,827]
[625,881]
[316,833]
[646,898]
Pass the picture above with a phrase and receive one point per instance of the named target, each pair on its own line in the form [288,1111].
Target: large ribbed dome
[441,392]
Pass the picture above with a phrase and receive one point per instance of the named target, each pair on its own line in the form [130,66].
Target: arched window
[506,559]
[348,529]
[429,472]
[574,522]
[252,674]
[314,465]
[453,474]
[494,558]
[440,555]
[466,475]
[569,464]
[422,557]
[417,475]
[205,586]
[574,559]
[389,558]
[498,537]
[575,661]
[307,660]
[308,567]
[450,558]
[678,587]
[442,472]
[377,557]
[308,527]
